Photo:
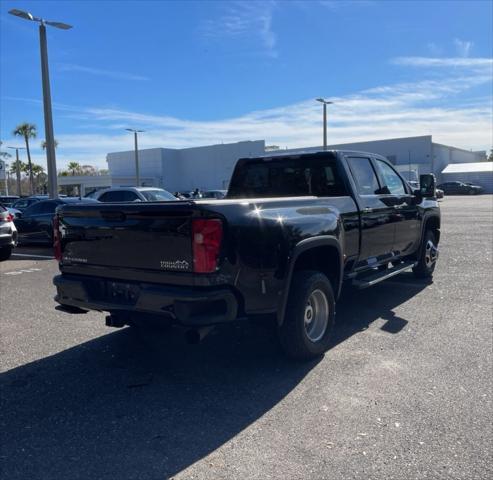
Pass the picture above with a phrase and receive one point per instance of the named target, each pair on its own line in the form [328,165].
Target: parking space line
[24,270]
[32,256]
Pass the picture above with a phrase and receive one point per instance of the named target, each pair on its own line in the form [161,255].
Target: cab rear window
[287,177]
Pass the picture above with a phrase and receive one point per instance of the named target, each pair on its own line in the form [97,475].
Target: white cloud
[463,47]
[245,19]
[70,67]
[440,107]
[444,62]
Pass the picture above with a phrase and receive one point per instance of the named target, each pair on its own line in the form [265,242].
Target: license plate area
[114,292]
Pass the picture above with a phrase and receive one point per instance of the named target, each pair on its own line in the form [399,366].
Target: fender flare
[426,219]
[302,247]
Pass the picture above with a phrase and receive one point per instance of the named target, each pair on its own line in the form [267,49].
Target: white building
[415,155]
[210,167]
[207,168]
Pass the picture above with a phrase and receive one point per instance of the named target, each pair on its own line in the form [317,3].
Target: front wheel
[428,256]
[309,318]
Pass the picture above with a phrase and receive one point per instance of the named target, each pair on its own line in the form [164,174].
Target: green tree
[27,131]
[18,164]
[73,168]
[41,177]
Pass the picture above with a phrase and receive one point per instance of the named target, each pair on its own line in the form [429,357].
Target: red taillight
[206,240]
[10,217]
[57,240]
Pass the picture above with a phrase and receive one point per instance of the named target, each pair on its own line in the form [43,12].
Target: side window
[49,207]
[129,196]
[34,209]
[392,181]
[363,173]
[21,204]
[325,181]
[115,196]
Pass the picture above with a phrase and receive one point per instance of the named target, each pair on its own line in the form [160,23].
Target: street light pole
[136,150]
[325,103]
[17,168]
[48,116]
[49,136]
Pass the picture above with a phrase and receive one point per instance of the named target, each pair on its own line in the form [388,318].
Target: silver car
[8,233]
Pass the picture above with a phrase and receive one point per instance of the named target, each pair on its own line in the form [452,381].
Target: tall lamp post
[325,103]
[136,147]
[49,136]
[17,168]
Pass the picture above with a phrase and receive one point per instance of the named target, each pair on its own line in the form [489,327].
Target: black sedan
[460,188]
[35,223]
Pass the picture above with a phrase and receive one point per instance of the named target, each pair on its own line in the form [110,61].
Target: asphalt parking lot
[404,393]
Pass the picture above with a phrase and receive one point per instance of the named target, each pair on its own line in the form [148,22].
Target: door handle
[367,210]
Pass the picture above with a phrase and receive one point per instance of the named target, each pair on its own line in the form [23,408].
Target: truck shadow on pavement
[135,405]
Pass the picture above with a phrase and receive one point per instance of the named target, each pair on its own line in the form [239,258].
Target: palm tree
[16,168]
[73,167]
[39,172]
[27,130]
[43,144]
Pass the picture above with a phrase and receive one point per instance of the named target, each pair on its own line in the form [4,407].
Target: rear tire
[428,256]
[309,318]
[5,253]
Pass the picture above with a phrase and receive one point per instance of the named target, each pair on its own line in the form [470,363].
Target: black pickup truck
[290,231]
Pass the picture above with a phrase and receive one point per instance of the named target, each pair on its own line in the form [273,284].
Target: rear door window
[364,175]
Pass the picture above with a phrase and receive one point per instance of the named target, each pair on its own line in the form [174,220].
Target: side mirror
[427,185]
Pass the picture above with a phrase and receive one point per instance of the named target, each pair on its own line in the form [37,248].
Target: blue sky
[197,73]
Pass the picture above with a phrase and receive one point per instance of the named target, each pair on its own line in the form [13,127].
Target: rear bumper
[187,306]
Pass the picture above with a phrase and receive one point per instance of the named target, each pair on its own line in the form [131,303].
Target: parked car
[22,203]
[217,194]
[290,231]
[35,223]
[8,200]
[8,233]
[134,194]
[460,188]
[415,185]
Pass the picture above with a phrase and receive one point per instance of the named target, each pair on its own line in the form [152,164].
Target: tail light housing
[57,238]
[207,235]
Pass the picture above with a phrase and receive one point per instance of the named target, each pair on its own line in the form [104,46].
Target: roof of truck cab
[308,153]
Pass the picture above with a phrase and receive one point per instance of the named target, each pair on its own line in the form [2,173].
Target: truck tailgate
[147,236]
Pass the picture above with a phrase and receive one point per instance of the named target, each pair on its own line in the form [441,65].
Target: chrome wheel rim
[316,317]
[431,253]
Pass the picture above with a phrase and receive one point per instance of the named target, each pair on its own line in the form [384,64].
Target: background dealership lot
[405,392]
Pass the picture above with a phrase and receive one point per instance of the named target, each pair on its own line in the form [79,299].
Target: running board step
[371,280]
